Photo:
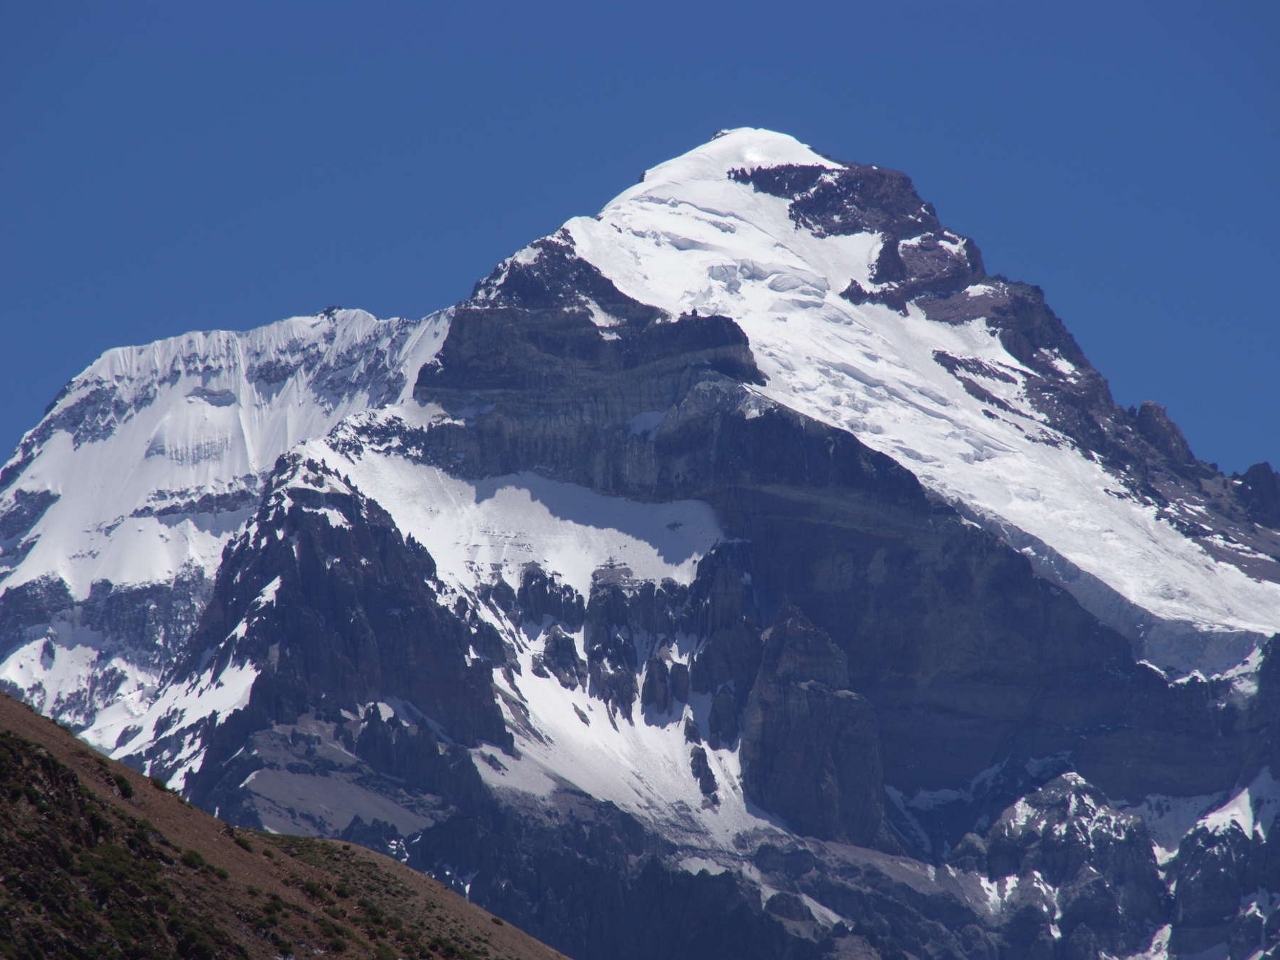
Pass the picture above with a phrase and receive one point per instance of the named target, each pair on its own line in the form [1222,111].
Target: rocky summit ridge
[741,571]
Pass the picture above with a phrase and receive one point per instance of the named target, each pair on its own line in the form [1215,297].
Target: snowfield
[204,414]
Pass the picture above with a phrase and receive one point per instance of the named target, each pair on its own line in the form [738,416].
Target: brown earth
[96,860]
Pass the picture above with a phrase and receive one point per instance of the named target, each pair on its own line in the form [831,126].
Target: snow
[643,765]
[130,723]
[1169,819]
[200,415]
[57,678]
[698,864]
[197,421]
[335,519]
[476,530]
[1158,949]
[687,237]
[268,593]
[385,710]
[1253,809]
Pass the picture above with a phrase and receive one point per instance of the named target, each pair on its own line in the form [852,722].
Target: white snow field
[193,419]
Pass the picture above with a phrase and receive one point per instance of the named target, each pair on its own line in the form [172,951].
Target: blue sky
[167,167]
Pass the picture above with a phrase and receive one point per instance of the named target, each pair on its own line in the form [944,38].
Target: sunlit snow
[206,413]
[688,237]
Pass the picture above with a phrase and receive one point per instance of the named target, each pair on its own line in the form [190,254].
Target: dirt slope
[96,860]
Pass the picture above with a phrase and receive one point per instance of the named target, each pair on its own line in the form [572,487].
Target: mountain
[741,571]
[101,862]
[118,504]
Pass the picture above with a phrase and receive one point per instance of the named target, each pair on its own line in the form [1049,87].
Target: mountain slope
[98,861]
[865,313]
[114,510]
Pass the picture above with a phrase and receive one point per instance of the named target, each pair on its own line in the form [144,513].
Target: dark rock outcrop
[1260,491]
[612,660]
[853,199]
[702,772]
[656,693]
[559,658]
[352,619]
[542,596]
[1097,862]
[810,747]
[1215,869]
[1162,433]
[25,512]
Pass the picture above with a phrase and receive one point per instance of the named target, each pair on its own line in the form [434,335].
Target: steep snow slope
[145,430]
[143,468]
[691,237]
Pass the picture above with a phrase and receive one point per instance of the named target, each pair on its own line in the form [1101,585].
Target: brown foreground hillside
[98,861]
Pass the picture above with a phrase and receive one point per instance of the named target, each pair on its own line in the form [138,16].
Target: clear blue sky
[175,166]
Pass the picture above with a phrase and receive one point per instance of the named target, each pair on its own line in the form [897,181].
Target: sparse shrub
[124,786]
[243,844]
[193,858]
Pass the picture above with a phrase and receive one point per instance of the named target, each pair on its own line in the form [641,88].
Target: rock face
[334,610]
[810,746]
[1079,865]
[1261,494]
[692,595]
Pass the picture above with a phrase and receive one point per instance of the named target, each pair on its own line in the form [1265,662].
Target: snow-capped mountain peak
[745,548]
[145,465]
[865,313]
[145,430]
